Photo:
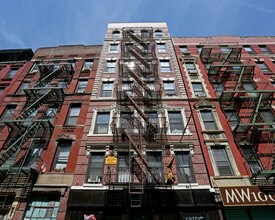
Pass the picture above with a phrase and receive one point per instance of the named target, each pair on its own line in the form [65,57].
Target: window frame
[24,85]
[263,67]
[81,88]
[168,90]
[198,91]
[165,66]
[95,172]
[9,108]
[156,166]
[161,47]
[75,115]
[183,167]
[12,72]
[110,66]
[60,161]
[207,121]
[175,123]
[113,48]
[87,65]
[226,162]
[97,124]
[158,33]
[265,49]
[107,88]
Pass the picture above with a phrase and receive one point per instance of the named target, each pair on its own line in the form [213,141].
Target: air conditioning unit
[200,94]
[94,179]
[192,72]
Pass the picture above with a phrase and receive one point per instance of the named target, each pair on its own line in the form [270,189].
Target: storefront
[156,204]
[248,202]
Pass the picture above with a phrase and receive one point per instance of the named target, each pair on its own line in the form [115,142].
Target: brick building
[143,127]
[43,112]
[230,83]
[140,151]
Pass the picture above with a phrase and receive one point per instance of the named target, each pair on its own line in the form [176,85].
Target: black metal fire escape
[139,92]
[17,175]
[250,102]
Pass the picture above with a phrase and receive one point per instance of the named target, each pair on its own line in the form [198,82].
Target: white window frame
[92,128]
[184,121]
[111,49]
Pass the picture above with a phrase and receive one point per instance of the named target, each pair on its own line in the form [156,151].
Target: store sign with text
[246,196]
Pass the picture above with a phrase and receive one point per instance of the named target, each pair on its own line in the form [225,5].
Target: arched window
[158,33]
[115,34]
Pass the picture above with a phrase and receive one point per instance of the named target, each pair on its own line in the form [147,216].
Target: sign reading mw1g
[246,196]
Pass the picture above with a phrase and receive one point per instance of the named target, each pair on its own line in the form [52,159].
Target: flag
[43,168]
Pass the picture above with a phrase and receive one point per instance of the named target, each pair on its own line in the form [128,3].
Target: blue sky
[38,23]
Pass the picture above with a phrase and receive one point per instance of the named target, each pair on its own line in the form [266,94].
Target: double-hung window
[95,174]
[233,119]
[113,48]
[161,47]
[11,73]
[73,114]
[81,86]
[123,172]
[198,89]
[110,66]
[62,155]
[265,49]
[9,112]
[263,67]
[252,159]
[176,122]
[88,64]
[184,167]
[37,149]
[249,49]
[165,66]
[208,120]
[107,89]
[24,85]
[222,161]
[155,166]
[102,123]
[169,88]
[219,88]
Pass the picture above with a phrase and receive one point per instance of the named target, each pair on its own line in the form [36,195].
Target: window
[176,122]
[199,48]
[155,166]
[222,161]
[110,66]
[56,64]
[126,120]
[73,114]
[37,149]
[198,89]
[9,112]
[225,49]
[191,68]
[161,47]
[233,119]
[184,167]
[107,89]
[30,117]
[267,117]
[43,207]
[72,63]
[252,159]
[62,84]
[24,85]
[263,67]
[113,48]
[208,120]
[249,86]
[96,167]
[116,34]
[248,49]
[265,49]
[81,86]
[62,155]
[127,87]
[144,34]
[11,73]
[158,33]
[51,113]
[169,88]
[102,123]
[219,88]
[165,66]
[1,90]
[123,172]
[184,49]
[88,64]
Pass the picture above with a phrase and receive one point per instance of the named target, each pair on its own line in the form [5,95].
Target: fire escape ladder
[48,78]
[140,112]
[17,144]
[141,156]
[139,80]
[139,57]
[256,109]
[138,40]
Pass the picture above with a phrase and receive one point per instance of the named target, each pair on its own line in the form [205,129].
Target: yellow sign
[110,160]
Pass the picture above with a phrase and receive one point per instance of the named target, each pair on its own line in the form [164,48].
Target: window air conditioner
[94,179]
[193,72]
[200,94]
